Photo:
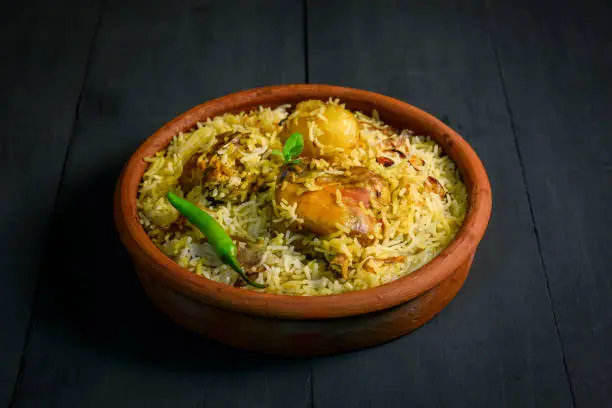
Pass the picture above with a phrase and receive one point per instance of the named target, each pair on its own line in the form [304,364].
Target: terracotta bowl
[293,325]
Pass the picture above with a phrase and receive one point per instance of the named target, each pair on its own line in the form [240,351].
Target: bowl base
[292,337]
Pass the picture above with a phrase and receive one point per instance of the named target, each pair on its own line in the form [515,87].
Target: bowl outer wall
[394,112]
[303,338]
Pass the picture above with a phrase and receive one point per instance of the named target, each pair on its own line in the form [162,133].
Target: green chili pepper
[217,237]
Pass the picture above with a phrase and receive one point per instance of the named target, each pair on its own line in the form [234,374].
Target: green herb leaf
[293,146]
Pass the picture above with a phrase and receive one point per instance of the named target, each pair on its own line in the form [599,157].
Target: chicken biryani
[315,198]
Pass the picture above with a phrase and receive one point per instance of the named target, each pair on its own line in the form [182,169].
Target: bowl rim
[153,264]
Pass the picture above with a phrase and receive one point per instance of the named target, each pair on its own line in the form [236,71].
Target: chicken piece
[342,200]
[220,169]
[216,172]
[364,180]
[196,166]
[334,129]
[191,175]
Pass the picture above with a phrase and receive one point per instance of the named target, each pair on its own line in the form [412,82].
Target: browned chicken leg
[341,202]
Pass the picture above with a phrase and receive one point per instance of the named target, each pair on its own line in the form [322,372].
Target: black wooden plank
[496,344]
[95,340]
[43,55]
[557,74]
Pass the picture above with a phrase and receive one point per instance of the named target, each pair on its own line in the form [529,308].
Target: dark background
[528,84]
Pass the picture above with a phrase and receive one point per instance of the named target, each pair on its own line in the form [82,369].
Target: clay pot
[295,325]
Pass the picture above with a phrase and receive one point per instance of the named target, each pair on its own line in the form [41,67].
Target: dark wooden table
[528,84]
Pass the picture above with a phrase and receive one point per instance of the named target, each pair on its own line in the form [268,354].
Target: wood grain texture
[43,56]
[95,340]
[557,75]
[496,344]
